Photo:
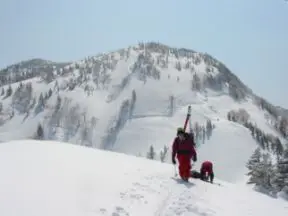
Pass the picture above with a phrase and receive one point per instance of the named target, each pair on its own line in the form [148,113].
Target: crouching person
[206,171]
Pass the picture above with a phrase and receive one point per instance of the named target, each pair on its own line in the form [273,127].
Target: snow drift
[52,178]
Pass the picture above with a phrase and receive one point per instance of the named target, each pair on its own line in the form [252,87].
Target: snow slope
[50,178]
[229,147]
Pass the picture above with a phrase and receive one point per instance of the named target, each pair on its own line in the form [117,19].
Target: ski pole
[175,170]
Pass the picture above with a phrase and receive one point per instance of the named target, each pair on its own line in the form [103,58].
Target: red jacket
[184,147]
[207,166]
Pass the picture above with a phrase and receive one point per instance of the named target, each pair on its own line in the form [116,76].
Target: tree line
[269,175]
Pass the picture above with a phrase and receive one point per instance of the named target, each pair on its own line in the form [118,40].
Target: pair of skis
[187,117]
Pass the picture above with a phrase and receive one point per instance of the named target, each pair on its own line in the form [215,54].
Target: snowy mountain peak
[146,60]
[155,60]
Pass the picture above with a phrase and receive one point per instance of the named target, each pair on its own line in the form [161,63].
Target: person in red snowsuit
[206,171]
[183,147]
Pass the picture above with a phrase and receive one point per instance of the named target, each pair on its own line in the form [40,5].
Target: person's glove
[173,161]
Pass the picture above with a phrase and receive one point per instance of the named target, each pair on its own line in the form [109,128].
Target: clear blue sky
[249,36]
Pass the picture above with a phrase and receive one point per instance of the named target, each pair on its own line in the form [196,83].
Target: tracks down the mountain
[182,200]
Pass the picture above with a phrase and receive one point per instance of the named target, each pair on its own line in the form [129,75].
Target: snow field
[52,178]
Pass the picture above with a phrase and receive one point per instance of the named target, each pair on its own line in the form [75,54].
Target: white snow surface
[51,178]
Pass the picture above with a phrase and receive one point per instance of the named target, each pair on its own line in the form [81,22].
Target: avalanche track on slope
[50,178]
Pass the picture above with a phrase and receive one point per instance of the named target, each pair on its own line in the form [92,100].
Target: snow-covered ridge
[52,178]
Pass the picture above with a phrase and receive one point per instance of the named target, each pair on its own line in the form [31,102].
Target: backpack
[190,136]
[195,174]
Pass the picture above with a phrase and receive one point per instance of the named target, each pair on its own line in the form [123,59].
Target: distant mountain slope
[28,69]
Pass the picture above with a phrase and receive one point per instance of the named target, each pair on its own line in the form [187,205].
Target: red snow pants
[184,165]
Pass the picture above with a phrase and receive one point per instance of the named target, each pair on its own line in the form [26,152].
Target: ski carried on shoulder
[187,117]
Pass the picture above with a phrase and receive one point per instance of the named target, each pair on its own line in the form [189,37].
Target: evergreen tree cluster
[145,67]
[265,105]
[151,154]
[281,126]
[280,121]
[241,116]
[268,176]
[39,133]
[171,106]
[23,99]
[118,122]
[42,100]
[29,69]
[216,83]
[211,79]
[202,132]
[132,104]
[266,141]
[65,119]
